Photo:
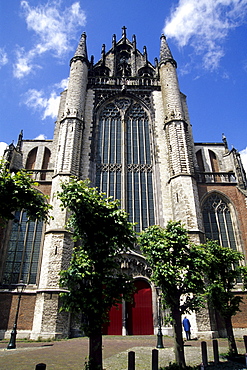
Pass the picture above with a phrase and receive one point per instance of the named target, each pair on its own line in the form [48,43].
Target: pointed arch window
[214,161]
[45,164]
[31,159]
[218,221]
[23,251]
[200,160]
[123,160]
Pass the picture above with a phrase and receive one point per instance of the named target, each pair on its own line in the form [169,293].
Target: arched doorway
[139,313]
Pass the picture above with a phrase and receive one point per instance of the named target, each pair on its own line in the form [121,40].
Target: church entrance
[139,313]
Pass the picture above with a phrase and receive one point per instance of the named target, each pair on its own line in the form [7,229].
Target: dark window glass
[217,221]
[125,163]
[23,251]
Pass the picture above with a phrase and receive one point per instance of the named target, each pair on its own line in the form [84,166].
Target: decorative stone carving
[135,265]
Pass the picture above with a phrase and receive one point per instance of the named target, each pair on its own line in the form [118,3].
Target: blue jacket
[186,324]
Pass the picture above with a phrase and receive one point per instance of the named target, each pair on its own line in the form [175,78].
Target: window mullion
[147,199]
[140,200]
[144,141]
[24,251]
[32,250]
[210,224]
[218,226]
[227,230]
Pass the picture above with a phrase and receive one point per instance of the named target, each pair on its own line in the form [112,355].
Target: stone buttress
[48,321]
[181,182]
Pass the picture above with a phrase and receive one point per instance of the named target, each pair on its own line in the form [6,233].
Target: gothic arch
[146,72]
[220,220]
[31,159]
[213,161]
[140,310]
[105,98]
[200,161]
[45,163]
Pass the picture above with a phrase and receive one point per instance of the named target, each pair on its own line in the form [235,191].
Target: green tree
[18,191]
[94,279]
[177,267]
[224,275]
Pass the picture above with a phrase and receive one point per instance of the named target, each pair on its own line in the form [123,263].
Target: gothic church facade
[124,124]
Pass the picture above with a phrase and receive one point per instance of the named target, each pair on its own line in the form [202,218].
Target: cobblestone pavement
[72,353]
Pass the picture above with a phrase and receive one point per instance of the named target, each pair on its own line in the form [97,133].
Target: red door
[140,313]
[114,325]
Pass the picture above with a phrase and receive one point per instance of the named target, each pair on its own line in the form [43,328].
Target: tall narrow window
[124,162]
[200,160]
[46,160]
[218,222]
[140,204]
[23,251]
[108,157]
[31,159]
[214,161]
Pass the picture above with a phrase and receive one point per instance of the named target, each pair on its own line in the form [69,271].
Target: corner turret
[81,51]
[71,125]
[165,52]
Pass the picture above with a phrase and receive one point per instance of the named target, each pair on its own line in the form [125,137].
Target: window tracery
[218,221]
[124,167]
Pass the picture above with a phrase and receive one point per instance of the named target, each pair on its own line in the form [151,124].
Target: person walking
[186,325]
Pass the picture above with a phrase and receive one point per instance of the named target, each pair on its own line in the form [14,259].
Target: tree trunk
[178,339]
[95,351]
[230,335]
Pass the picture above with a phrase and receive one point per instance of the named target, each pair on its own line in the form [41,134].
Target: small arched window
[31,159]
[218,221]
[23,251]
[214,161]
[200,160]
[46,160]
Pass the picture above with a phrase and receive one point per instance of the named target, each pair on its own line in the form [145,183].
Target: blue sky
[208,39]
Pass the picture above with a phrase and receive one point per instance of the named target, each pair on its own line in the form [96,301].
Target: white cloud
[52,105]
[48,106]
[36,100]
[40,137]
[243,154]
[3,146]
[3,57]
[205,25]
[63,84]
[54,28]
[23,66]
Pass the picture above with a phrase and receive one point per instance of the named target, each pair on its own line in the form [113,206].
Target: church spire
[81,51]
[165,52]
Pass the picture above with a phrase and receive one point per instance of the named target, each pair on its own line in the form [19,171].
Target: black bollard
[131,360]
[40,366]
[155,359]
[204,353]
[216,351]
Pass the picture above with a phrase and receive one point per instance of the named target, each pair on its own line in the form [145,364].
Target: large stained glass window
[23,251]
[218,222]
[124,159]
